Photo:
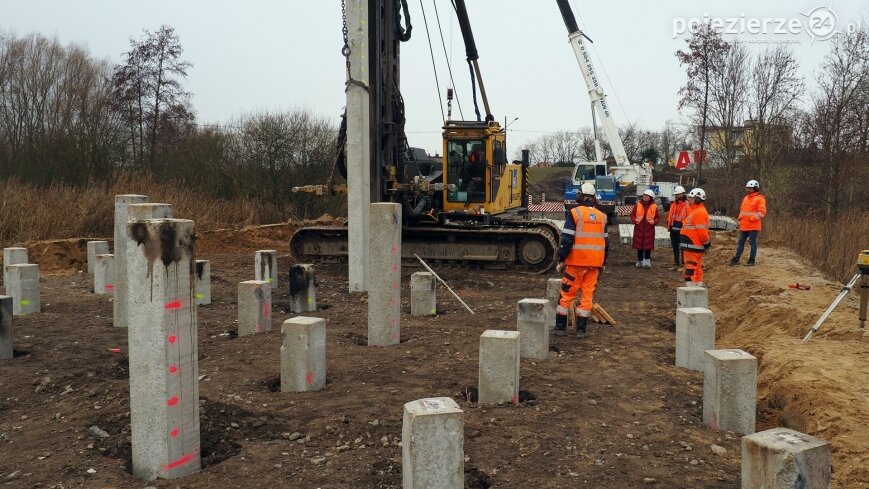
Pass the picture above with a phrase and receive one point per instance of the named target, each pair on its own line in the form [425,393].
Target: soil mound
[820,388]
[59,256]
[242,240]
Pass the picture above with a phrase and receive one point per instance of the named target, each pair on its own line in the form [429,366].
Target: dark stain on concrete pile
[298,279]
[169,247]
[265,267]
[200,269]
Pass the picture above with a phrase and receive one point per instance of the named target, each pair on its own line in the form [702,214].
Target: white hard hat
[752,184]
[697,192]
[679,189]
[587,189]
[650,193]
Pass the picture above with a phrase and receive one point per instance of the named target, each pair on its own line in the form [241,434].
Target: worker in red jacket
[695,237]
[751,212]
[645,217]
[675,217]
[581,256]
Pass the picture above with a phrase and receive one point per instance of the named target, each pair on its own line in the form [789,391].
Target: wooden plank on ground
[600,311]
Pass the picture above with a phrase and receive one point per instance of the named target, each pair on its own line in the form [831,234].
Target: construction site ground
[609,411]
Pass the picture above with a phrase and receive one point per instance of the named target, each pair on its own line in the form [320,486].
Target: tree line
[67,117]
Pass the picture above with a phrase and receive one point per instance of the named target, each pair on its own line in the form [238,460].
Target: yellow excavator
[469,208]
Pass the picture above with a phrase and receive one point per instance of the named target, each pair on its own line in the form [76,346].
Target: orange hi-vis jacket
[695,230]
[588,230]
[641,211]
[677,214]
[752,210]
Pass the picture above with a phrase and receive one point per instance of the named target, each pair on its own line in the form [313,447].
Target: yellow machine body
[863,261]
[475,163]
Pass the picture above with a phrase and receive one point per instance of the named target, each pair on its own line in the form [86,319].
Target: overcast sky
[285,54]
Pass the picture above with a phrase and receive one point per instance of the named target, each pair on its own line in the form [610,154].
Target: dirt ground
[610,411]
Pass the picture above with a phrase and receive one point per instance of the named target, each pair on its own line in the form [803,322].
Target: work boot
[647,263]
[734,261]
[750,263]
[560,325]
[581,326]
[639,264]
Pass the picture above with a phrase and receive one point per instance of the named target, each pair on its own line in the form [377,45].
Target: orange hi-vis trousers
[693,261]
[578,279]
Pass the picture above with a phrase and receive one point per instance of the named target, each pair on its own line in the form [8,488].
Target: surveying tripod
[863,276]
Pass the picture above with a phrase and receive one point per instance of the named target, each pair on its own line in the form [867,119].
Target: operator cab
[587,172]
[475,166]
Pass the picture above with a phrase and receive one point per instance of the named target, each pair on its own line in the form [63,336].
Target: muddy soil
[609,411]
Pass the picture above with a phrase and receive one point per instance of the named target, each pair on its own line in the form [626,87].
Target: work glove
[560,267]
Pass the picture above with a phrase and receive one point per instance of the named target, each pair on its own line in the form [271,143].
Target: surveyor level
[862,275]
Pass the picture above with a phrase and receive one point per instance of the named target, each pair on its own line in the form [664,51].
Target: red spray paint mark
[172,338]
[394,336]
[267,309]
[172,401]
[515,400]
[108,286]
[178,463]
[173,369]
[394,248]
[115,350]
[309,379]
[173,305]
[175,432]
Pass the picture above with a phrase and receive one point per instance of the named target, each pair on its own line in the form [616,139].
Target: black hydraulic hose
[414,212]
[467,33]
[340,143]
[403,35]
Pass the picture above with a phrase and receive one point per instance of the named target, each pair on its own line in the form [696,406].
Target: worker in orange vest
[675,216]
[694,238]
[582,256]
[752,210]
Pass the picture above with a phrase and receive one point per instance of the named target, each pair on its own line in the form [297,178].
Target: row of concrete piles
[162,277]
[778,458]
[157,284]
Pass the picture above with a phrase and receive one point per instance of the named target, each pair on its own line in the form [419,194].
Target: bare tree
[279,150]
[836,125]
[563,147]
[55,118]
[149,91]
[727,104]
[637,141]
[776,88]
[671,141]
[706,50]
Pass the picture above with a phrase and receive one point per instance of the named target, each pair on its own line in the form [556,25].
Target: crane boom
[595,91]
